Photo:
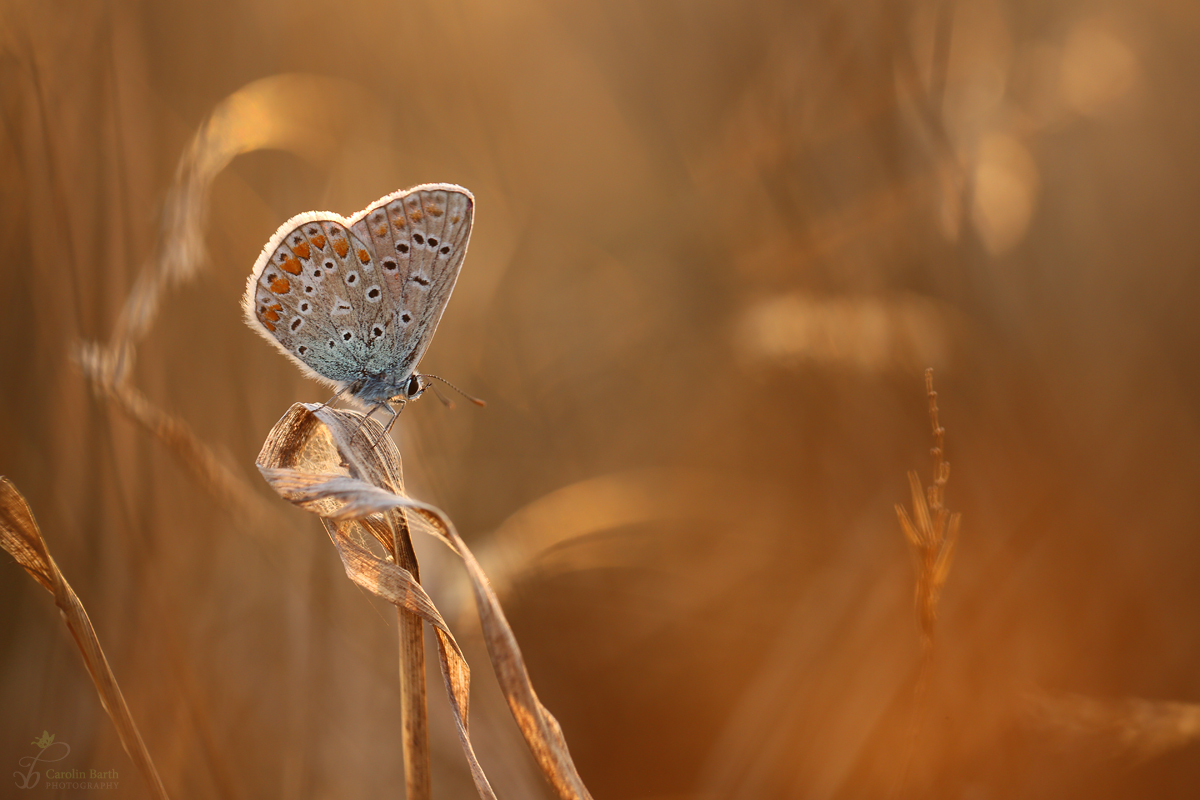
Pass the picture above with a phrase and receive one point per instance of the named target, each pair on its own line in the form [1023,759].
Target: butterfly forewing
[349,310]
[326,348]
[361,297]
[286,296]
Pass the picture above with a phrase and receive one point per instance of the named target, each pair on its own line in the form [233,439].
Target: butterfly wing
[295,298]
[347,299]
[418,239]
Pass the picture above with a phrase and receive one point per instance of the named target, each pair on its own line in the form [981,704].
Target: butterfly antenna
[474,400]
[446,401]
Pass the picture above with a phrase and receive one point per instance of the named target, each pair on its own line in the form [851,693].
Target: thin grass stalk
[931,532]
[21,537]
[418,773]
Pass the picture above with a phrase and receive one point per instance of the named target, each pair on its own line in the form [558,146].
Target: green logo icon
[46,747]
[46,740]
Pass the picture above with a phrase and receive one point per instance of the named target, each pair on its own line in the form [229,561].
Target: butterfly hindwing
[420,237]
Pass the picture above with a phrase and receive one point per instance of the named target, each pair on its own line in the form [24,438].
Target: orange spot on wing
[455,218]
[341,247]
[364,256]
[292,266]
[381,231]
[270,327]
[272,315]
[415,215]
[280,285]
[319,241]
[433,210]
[275,307]
[301,249]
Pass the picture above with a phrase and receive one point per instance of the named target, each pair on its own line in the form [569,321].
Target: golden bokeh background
[716,246]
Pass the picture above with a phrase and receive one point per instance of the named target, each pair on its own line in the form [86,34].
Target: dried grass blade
[106,372]
[354,498]
[397,585]
[906,524]
[21,537]
[349,483]
[924,524]
[541,730]
[305,445]
[945,557]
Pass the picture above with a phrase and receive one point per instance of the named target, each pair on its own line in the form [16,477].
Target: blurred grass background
[716,245]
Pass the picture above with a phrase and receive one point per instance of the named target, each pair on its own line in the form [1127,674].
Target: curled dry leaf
[322,459]
[22,539]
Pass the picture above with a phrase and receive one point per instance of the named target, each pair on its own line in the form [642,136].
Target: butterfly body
[355,301]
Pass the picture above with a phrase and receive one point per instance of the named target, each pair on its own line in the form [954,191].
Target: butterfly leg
[341,392]
[391,422]
[362,423]
[395,416]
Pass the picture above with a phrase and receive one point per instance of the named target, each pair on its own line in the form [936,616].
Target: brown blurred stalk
[1131,727]
[418,774]
[21,537]
[931,532]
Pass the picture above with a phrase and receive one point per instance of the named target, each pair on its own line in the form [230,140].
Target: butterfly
[355,302]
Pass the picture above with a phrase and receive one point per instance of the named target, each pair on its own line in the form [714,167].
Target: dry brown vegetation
[716,247]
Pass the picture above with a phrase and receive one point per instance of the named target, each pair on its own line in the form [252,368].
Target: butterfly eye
[414,387]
